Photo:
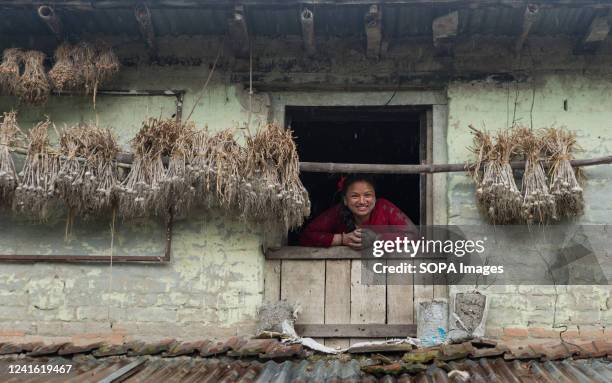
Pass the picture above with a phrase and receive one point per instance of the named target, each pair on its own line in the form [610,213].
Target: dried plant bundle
[37,179]
[101,178]
[9,70]
[33,87]
[107,63]
[69,180]
[538,203]
[564,181]
[497,195]
[273,188]
[83,56]
[9,131]
[177,188]
[141,191]
[223,172]
[64,74]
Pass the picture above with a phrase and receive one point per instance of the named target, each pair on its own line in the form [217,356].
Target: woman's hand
[352,239]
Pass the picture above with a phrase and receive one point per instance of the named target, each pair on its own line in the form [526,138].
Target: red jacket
[320,232]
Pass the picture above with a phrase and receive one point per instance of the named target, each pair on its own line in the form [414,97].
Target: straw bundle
[538,203]
[8,175]
[497,194]
[141,190]
[37,179]
[64,74]
[564,181]
[273,186]
[9,70]
[33,87]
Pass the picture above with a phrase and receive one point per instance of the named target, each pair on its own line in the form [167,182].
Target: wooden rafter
[145,24]
[308,34]
[373,28]
[239,32]
[52,19]
[445,29]
[529,18]
[595,34]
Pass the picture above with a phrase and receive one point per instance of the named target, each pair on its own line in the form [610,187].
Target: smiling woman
[341,225]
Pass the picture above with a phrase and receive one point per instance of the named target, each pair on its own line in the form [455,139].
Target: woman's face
[360,198]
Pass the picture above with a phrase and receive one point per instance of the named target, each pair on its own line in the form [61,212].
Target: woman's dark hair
[345,214]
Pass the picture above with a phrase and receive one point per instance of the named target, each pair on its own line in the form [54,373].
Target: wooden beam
[373,28]
[145,24]
[307,21]
[529,17]
[300,253]
[358,331]
[239,32]
[445,30]
[53,21]
[596,33]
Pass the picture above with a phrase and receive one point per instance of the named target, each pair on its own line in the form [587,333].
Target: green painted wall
[589,113]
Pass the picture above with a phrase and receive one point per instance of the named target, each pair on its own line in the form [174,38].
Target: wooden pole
[124,160]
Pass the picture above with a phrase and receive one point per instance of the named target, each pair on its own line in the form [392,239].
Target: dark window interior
[374,135]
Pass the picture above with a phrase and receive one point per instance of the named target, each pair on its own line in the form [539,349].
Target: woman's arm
[323,230]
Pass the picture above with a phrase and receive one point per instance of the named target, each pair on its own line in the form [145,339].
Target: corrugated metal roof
[399,21]
[188,369]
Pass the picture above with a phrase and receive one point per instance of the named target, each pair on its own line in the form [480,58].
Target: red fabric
[320,232]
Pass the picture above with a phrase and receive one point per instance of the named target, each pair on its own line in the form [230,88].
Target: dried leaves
[539,202]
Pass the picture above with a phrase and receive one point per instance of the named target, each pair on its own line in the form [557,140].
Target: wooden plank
[304,282]
[272,281]
[368,302]
[596,33]
[337,297]
[381,348]
[373,29]
[421,292]
[319,253]
[400,300]
[308,34]
[356,330]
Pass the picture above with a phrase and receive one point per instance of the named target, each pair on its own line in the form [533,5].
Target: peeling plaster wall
[214,283]
[530,309]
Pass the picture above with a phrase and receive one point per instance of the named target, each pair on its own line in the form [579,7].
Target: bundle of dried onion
[538,203]
[37,179]
[497,195]
[64,74]
[141,190]
[564,181]
[33,87]
[9,131]
[272,177]
[9,70]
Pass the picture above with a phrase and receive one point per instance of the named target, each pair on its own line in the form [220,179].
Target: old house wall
[214,282]
[529,310]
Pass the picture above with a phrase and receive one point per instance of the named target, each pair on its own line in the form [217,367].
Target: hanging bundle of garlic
[141,192]
[497,194]
[9,70]
[34,87]
[100,177]
[222,172]
[177,186]
[64,74]
[564,181]
[538,203]
[9,131]
[272,184]
[36,188]
[83,58]
[69,180]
